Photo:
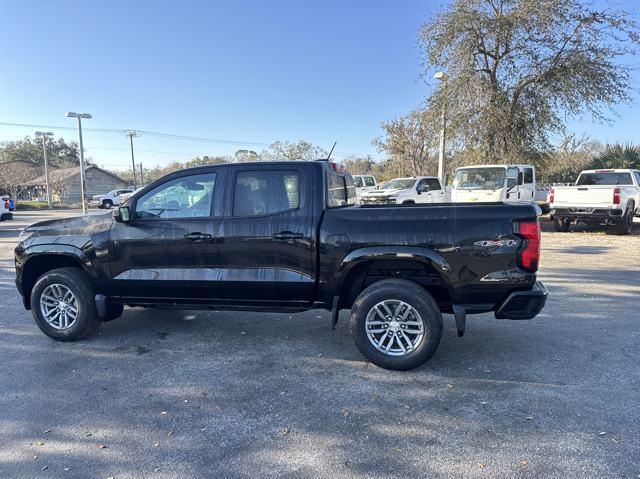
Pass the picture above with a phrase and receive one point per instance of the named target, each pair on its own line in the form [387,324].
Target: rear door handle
[285,235]
[197,236]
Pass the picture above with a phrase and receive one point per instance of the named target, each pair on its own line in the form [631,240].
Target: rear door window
[265,192]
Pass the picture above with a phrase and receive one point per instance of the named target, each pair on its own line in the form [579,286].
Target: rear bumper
[587,213]
[524,304]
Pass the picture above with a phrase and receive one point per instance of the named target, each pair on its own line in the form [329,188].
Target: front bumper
[587,213]
[524,304]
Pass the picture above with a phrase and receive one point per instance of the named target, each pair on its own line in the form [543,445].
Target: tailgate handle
[197,236]
[285,235]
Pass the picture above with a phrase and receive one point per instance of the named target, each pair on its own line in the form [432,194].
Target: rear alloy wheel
[561,225]
[63,305]
[107,204]
[396,324]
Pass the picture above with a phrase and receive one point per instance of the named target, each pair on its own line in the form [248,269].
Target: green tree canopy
[516,69]
[60,153]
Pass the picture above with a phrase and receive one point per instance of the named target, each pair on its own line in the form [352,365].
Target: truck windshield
[479,178]
[399,184]
[609,178]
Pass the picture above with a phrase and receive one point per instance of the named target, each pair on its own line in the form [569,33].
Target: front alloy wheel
[59,306]
[63,304]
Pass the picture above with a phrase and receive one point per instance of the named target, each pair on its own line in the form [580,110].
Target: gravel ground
[220,394]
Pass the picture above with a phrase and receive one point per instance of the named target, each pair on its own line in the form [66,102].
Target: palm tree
[618,156]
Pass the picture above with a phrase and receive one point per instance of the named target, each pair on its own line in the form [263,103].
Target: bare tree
[13,177]
[411,143]
[300,150]
[572,155]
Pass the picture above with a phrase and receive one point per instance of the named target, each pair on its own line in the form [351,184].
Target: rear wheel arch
[371,270]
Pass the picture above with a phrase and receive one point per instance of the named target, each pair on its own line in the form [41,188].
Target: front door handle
[197,236]
[285,235]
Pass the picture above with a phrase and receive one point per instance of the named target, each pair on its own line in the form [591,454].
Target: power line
[144,132]
[170,136]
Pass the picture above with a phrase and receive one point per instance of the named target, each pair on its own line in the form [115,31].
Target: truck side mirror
[520,178]
[423,188]
[122,214]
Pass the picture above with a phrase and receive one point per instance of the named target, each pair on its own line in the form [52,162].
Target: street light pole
[44,135]
[80,116]
[132,134]
[440,76]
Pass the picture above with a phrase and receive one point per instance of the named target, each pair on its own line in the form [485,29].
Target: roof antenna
[334,145]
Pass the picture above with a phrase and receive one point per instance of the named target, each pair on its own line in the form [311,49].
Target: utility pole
[141,178]
[80,116]
[132,134]
[44,135]
[441,76]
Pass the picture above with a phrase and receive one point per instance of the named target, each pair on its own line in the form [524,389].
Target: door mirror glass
[122,214]
[520,178]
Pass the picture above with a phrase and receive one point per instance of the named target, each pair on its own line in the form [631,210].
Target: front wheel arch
[38,265]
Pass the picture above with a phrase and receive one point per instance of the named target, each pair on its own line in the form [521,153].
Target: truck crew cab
[487,183]
[285,236]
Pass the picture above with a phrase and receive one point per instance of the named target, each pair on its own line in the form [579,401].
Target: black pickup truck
[285,236]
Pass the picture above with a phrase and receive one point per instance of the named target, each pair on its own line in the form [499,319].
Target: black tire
[78,283]
[408,202]
[107,204]
[625,225]
[561,225]
[415,296]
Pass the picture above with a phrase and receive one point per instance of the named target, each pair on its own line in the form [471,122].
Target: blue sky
[255,71]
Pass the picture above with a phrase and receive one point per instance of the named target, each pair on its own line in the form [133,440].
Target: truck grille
[378,200]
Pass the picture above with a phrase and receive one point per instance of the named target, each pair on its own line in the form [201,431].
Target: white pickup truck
[420,189]
[110,199]
[490,183]
[364,184]
[609,197]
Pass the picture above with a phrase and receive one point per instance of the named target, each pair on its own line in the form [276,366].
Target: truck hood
[378,193]
[77,225]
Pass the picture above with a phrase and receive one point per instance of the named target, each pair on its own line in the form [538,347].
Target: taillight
[529,254]
[552,195]
[616,195]
[6,204]
[338,167]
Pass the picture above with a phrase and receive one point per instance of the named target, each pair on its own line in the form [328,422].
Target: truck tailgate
[583,196]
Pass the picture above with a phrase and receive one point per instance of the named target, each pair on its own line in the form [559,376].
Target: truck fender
[415,253]
[58,249]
